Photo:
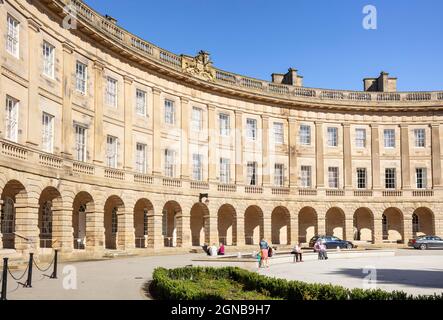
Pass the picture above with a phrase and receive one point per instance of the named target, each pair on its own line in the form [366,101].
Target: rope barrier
[19,278]
[44,269]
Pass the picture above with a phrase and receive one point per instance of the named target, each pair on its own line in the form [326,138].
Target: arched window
[46,219]
[415,223]
[8,217]
[114,221]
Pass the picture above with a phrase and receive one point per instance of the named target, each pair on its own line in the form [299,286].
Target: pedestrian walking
[264,249]
[317,248]
[324,250]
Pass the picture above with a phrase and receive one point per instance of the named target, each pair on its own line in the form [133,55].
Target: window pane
[390,178]
[252,173]
[305,135]
[420,138]
[360,138]
[251,129]
[169,112]
[47,132]
[389,138]
[140,106]
[332,137]
[224,124]
[333,177]
[278,133]
[306,177]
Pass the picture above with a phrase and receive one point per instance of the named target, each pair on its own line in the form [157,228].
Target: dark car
[332,242]
[426,242]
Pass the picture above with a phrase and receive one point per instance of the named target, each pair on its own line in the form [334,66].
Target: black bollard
[4,279]
[28,283]
[54,273]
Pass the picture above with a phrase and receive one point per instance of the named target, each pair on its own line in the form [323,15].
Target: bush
[176,284]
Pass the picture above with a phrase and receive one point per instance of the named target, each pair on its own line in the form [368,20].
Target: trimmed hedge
[170,285]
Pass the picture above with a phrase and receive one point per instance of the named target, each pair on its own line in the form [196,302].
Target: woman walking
[264,249]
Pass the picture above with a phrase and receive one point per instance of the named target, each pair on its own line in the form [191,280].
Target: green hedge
[166,285]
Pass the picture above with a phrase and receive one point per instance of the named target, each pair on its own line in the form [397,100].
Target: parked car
[332,242]
[426,242]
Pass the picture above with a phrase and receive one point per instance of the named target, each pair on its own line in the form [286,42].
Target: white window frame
[141,158]
[197,167]
[81,77]
[140,102]
[279,134]
[81,133]
[197,119]
[305,135]
[306,176]
[224,124]
[111,92]
[362,178]
[333,177]
[252,175]
[111,151]
[13,36]
[12,118]
[225,170]
[332,136]
[251,129]
[169,112]
[169,163]
[360,138]
[420,137]
[389,138]
[390,178]
[421,178]
[48,60]
[47,132]
[279,174]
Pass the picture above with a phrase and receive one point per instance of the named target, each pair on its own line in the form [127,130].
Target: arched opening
[363,225]
[172,231]
[82,207]
[393,225]
[50,201]
[227,225]
[253,225]
[14,197]
[114,207]
[423,222]
[199,214]
[143,210]
[307,224]
[280,226]
[335,223]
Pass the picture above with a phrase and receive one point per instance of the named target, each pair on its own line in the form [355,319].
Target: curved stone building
[108,142]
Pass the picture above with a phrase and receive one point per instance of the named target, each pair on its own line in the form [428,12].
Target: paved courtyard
[412,271]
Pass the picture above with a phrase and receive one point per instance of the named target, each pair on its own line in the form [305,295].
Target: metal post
[28,283]
[4,279]
[54,273]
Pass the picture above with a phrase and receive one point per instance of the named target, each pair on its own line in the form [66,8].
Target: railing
[335,193]
[14,151]
[280,191]
[143,178]
[363,193]
[253,189]
[84,168]
[50,161]
[199,185]
[170,58]
[392,193]
[225,77]
[141,45]
[141,242]
[171,182]
[423,193]
[114,174]
[227,188]
[307,192]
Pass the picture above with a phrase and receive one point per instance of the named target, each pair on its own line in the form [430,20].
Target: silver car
[426,242]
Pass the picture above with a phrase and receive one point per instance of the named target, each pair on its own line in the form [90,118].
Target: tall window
[80,143]
[415,223]
[140,158]
[420,174]
[420,138]
[169,163]
[111,152]
[305,135]
[48,132]
[197,167]
[390,178]
[279,174]
[140,102]
[81,74]
[224,124]
[114,221]
[169,112]
[360,138]
[333,177]
[389,138]
[111,92]
[46,220]
[145,222]
[48,59]
[7,217]
[361,178]
[306,177]
[252,173]
[197,119]
[11,119]
[278,133]
[13,37]
[225,170]
[332,137]
[251,129]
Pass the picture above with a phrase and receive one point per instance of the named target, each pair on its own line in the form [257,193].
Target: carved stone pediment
[199,66]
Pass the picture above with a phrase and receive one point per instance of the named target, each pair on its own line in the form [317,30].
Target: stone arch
[393,225]
[364,225]
[199,224]
[281,226]
[227,225]
[253,225]
[307,224]
[423,222]
[114,207]
[143,218]
[83,209]
[14,203]
[50,205]
[336,223]
[172,228]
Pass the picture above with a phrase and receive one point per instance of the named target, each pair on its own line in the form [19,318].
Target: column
[1,235]
[33,137]
[26,222]
[211,228]
[266,161]
[156,134]
[405,161]
[349,228]
[129,107]
[319,153]
[293,223]
[267,226]
[375,155]
[183,230]
[155,229]
[292,140]
[240,228]
[99,141]
[239,143]
[436,156]
[378,230]
[126,233]
[95,229]
[347,155]
[67,126]
[321,223]
[185,120]
[212,144]
[62,235]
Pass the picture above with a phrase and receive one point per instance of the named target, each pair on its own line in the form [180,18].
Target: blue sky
[323,39]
